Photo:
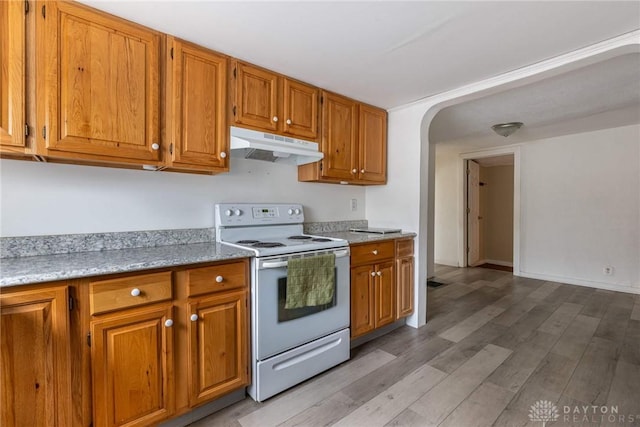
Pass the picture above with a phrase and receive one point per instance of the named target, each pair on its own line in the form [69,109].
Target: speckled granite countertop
[355,238]
[47,268]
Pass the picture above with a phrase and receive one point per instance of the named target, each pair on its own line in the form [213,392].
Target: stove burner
[320,239]
[247,242]
[299,237]
[267,245]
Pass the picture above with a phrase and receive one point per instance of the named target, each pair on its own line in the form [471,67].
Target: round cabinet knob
[373,273]
[193,317]
[353,171]
[168,323]
[228,212]
[223,155]
[289,121]
[219,279]
[135,292]
[361,170]
[237,212]
[155,146]
[275,118]
[379,273]
[290,211]
[375,252]
[297,211]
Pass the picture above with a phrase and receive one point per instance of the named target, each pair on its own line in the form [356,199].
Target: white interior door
[473,213]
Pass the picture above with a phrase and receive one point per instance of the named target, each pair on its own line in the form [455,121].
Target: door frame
[462,200]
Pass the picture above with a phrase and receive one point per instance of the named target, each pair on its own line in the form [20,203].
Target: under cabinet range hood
[251,144]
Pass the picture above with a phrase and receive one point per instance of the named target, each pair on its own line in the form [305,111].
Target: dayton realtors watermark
[596,414]
[546,412]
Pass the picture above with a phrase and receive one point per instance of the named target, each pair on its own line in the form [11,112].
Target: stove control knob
[290,211]
[237,212]
[297,211]
[228,212]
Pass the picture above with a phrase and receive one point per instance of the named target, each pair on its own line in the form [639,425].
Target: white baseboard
[497,262]
[447,262]
[582,282]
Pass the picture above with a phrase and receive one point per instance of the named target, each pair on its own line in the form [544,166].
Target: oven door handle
[279,264]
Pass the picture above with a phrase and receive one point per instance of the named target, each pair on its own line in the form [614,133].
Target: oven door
[276,329]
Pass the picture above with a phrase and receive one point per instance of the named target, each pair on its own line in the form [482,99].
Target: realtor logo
[544,411]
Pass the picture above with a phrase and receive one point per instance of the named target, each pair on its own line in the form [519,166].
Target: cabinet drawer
[372,252]
[404,248]
[130,291]
[217,278]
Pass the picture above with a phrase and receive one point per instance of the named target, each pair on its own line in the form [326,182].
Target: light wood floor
[494,345]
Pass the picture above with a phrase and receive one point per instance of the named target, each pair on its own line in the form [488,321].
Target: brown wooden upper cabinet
[354,143]
[99,79]
[196,122]
[271,102]
[12,76]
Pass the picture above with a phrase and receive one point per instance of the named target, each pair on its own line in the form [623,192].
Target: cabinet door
[300,109]
[12,76]
[372,143]
[101,85]
[132,365]
[404,283]
[197,108]
[218,342]
[362,300]
[339,137]
[256,97]
[385,294]
[34,356]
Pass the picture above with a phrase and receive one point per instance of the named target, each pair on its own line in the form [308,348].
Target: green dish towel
[310,281]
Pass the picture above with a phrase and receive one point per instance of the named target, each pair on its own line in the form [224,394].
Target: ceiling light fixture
[506,129]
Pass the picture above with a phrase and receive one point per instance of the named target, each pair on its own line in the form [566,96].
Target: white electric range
[288,345]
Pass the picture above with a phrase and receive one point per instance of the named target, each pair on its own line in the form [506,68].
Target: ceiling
[598,96]
[387,53]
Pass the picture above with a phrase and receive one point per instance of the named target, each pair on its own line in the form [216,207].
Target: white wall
[40,199]
[497,237]
[579,208]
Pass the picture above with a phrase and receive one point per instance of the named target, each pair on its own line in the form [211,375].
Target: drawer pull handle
[375,252]
[219,279]
[194,317]
[373,273]
[135,292]
[168,323]
[379,273]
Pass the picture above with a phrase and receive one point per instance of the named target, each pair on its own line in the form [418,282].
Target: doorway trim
[462,200]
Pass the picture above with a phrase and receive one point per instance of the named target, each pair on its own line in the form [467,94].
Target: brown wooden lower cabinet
[381,284]
[217,345]
[35,385]
[146,347]
[132,365]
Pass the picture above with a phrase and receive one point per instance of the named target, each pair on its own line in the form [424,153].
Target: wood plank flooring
[493,346]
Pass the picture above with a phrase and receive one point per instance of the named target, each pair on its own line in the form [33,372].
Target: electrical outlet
[607,270]
[354,204]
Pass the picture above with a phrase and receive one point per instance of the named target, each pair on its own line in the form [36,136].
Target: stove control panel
[247,214]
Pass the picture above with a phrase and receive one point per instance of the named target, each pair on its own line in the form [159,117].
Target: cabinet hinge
[320,165]
[468,171]
[171,53]
[234,73]
[234,110]
[89,339]
[70,303]
[171,148]
[44,11]
[26,7]
[44,132]
[26,129]
[468,210]
[468,249]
